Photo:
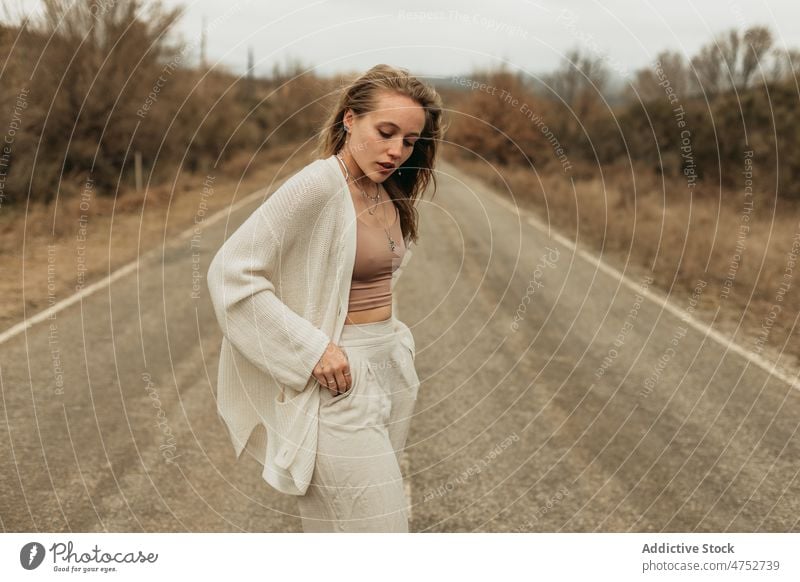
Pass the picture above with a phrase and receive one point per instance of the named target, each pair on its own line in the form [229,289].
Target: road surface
[553,398]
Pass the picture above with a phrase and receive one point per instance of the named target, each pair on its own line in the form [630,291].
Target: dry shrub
[101,81]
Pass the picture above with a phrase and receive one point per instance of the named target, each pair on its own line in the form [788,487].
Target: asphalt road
[530,417]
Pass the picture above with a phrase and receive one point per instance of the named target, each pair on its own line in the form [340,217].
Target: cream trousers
[357,485]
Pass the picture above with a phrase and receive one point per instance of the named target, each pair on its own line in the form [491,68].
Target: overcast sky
[451,37]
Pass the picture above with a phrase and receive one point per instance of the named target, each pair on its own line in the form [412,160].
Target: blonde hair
[411,179]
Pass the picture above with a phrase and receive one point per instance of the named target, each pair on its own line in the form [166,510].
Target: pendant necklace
[376,198]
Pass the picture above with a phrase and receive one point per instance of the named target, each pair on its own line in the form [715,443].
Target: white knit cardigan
[280,287]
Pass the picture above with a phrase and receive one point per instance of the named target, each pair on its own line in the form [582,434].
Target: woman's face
[385,136]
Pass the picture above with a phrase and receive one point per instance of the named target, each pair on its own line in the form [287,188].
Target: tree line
[88,85]
[698,117]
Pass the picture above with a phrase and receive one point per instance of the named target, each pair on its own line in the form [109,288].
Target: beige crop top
[374,264]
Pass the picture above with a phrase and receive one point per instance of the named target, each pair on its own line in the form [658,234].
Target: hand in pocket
[333,370]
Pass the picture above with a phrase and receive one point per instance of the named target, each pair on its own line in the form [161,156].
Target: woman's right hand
[333,370]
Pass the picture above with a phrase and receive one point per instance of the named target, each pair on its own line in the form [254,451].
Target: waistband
[369,334]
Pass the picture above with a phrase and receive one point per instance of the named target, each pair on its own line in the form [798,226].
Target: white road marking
[724,340]
[29,322]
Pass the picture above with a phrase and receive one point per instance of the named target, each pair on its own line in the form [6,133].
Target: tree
[670,66]
[731,61]
[758,42]
[785,65]
[578,85]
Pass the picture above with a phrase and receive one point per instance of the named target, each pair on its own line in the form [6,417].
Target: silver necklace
[376,198]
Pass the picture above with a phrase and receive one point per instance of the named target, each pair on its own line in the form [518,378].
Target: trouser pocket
[407,339]
[356,371]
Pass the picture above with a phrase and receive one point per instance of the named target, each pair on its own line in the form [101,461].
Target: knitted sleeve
[260,326]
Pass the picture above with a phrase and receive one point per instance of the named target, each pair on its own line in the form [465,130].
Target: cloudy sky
[452,37]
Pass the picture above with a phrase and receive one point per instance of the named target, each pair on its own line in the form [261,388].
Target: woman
[312,350]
